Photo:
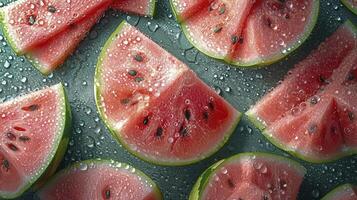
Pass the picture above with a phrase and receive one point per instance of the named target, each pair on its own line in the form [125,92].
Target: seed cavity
[51,9]
[24,138]
[6,165]
[159,132]
[138,79]
[351,115]
[31,108]
[12,147]
[132,72]
[230,183]
[19,128]
[138,58]
[187,114]
[218,28]
[31,20]
[10,136]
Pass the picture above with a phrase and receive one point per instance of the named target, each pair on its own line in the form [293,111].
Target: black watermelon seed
[33,107]
[211,105]
[159,132]
[265,197]
[283,184]
[312,128]
[107,194]
[24,138]
[124,101]
[138,58]
[240,198]
[183,131]
[12,147]
[132,72]
[5,163]
[230,183]
[187,114]
[269,22]
[314,100]
[10,136]
[222,9]
[146,120]
[32,19]
[234,39]
[217,28]
[205,115]
[351,77]
[351,115]
[138,79]
[323,80]
[51,9]
[333,129]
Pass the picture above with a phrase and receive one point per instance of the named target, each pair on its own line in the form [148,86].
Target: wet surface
[241,87]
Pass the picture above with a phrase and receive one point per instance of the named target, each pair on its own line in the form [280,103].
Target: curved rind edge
[330,194]
[349,6]
[62,138]
[109,163]
[207,174]
[6,33]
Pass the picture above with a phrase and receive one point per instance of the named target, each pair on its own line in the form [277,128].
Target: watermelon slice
[351,4]
[157,107]
[100,179]
[28,23]
[138,7]
[48,56]
[250,176]
[311,113]
[34,138]
[342,192]
[261,32]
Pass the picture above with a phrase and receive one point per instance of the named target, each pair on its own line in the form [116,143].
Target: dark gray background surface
[241,87]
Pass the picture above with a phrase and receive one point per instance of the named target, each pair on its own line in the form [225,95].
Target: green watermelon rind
[152,8]
[107,163]
[349,6]
[260,125]
[6,33]
[58,150]
[332,194]
[106,121]
[203,180]
[257,62]
[174,11]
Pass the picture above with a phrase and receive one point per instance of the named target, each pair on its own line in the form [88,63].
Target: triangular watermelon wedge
[311,113]
[342,192]
[138,7]
[157,107]
[28,23]
[34,135]
[48,56]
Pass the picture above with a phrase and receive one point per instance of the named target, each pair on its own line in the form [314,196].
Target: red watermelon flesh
[28,23]
[309,76]
[343,192]
[253,176]
[218,26]
[139,7]
[158,108]
[32,128]
[100,180]
[322,126]
[184,9]
[48,56]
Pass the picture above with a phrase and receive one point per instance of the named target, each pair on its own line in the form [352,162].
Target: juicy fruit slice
[48,56]
[184,9]
[311,113]
[34,138]
[112,180]
[343,192]
[139,7]
[261,32]
[351,4]
[28,23]
[250,176]
[157,107]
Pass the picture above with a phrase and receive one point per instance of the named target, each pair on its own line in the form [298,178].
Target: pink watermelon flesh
[28,23]
[158,108]
[31,127]
[343,192]
[253,176]
[100,180]
[48,56]
[247,32]
[218,27]
[184,9]
[139,7]
[315,106]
